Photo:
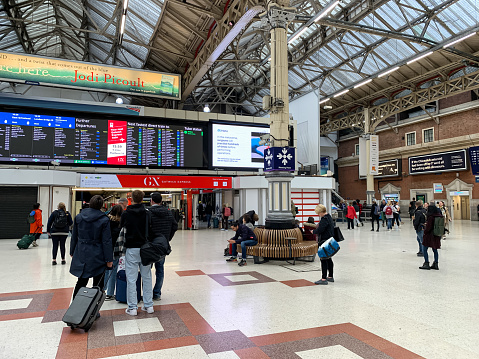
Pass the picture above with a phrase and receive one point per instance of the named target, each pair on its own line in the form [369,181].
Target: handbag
[154,250]
[328,249]
[338,236]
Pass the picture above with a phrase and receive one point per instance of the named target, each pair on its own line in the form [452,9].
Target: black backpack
[61,220]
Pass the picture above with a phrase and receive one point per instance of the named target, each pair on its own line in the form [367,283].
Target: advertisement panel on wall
[39,70]
[324,166]
[388,168]
[438,162]
[374,155]
[237,146]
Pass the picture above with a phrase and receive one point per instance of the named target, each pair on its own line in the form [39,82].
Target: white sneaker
[149,310]
[131,311]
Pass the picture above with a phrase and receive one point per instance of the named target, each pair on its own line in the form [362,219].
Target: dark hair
[310,220]
[432,209]
[36,206]
[246,218]
[414,198]
[116,210]
[96,202]
[235,224]
[137,196]
[354,202]
[156,197]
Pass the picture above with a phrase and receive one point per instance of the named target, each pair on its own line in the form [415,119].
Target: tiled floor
[381,305]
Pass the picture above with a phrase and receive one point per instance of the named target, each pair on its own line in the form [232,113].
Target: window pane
[411,139]
[429,135]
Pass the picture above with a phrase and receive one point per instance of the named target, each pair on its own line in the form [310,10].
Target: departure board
[90,141]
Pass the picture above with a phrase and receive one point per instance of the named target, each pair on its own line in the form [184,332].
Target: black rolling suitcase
[83,311]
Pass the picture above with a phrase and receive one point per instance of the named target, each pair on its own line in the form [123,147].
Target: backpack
[227,211]
[388,211]
[376,210]
[61,220]
[31,217]
[438,230]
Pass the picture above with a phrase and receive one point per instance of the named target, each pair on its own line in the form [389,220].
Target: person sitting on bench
[244,236]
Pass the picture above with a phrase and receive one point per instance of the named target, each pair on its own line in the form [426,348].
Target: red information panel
[175,181]
[116,143]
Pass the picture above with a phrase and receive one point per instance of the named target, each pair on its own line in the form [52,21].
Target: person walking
[324,231]
[115,229]
[162,223]
[58,227]
[381,208]
[389,212]
[397,214]
[208,214]
[36,228]
[447,218]
[90,246]
[375,212]
[360,206]
[429,239]
[356,210]
[412,208]
[418,223]
[351,215]
[225,215]
[136,220]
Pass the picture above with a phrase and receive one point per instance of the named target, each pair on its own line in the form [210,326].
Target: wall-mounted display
[389,168]
[237,145]
[474,158]
[438,162]
[32,138]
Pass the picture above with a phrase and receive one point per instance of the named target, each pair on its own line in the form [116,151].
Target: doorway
[462,209]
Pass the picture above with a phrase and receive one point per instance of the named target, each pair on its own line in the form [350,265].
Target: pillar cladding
[277,17]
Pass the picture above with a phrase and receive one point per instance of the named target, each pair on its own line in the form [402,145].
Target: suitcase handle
[103,277]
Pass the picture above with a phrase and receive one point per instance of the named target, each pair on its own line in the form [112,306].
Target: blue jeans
[426,256]
[208,219]
[132,263]
[111,280]
[160,276]
[420,234]
[244,244]
[390,223]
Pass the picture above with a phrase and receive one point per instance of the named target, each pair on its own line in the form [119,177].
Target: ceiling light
[328,107]
[459,40]
[122,26]
[119,100]
[326,11]
[419,58]
[295,37]
[341,93]
[206,108]
[388,71]
[363,83]
[323,101]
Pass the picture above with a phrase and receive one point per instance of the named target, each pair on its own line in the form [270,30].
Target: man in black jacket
[419,221]
[162,222]
[244,236]
[136,220]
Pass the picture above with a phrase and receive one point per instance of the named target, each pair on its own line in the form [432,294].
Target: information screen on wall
[88,141]
[237,146]
[438,162]
[474,158]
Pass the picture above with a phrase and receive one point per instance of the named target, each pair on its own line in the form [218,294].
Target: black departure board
[90,141]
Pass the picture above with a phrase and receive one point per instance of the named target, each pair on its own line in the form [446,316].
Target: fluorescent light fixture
[323,101]
[326,11]
[125,5]
[420,57]
[363,83]
[206,108]
[119,100]
[459,40]
[295,37]
[341,93]
[269,59]
[388,71]
[122,26]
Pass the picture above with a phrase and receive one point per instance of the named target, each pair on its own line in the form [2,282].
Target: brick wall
[455,100]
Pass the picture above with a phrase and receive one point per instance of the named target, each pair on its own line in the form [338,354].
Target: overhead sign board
[474,158]
[438,162]
[279,159]
[39,70]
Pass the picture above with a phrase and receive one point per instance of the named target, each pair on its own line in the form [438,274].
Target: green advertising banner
[39,70]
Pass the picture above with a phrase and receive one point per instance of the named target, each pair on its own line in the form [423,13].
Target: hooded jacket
[36,227]
[90,244]
[134,219]
[244,233]
[419,218]
[162,222]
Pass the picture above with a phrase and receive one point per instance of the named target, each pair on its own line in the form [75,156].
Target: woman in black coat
[91,245]
[324,230]
[375,212]
[58,227]
[429,239]
[115,229]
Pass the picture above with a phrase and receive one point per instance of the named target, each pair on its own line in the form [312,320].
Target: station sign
[438,162]
[279,159]
[152,181]
[41,70]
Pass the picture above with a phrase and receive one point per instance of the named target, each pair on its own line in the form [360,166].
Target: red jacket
[36,227]
[351,213]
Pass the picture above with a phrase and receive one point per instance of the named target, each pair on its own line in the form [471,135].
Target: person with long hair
[324,230]
[309,227]
[58,227]
[430,240]
[115,229]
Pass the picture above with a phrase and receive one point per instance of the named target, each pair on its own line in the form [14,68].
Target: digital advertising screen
[33,138]
[237,145]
